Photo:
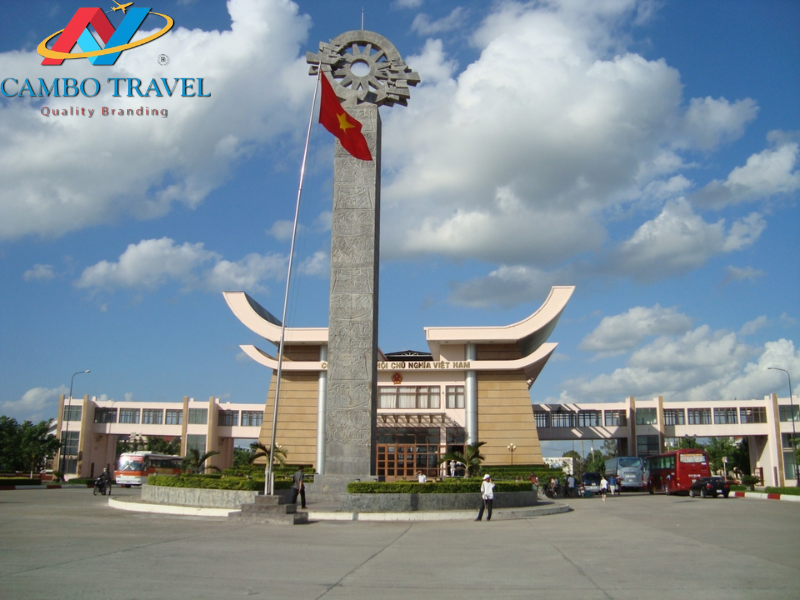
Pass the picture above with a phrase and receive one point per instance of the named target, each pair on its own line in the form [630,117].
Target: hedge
[215,483]
[5,481]
[543,472]
[789,491]
[448,486]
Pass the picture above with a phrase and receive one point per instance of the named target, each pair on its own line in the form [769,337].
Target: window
[73,413]
[788,413]
[410,397]
[757,414]
[646,416]
[174,416]
[69,441]
[152,416]
[723,416]
[105,415]
[455,396]
[196,442]
[128,415]
[562,419]
[541,418]
[647,445]
[198,416]
[456,435]
[616,418]
[699,416]
[229,418]
[252,418]
[674,416]
[589,418]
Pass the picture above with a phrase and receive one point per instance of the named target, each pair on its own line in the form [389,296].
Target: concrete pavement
[72,545]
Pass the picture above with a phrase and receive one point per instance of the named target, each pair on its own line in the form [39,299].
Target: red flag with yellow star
[336,120]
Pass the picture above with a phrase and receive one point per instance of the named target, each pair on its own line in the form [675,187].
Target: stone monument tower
[366,72]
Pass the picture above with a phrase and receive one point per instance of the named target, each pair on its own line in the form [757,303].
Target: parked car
[710,486]
[591,482]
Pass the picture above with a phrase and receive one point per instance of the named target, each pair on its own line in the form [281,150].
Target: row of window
[672,416]
[170,416]
[583,418]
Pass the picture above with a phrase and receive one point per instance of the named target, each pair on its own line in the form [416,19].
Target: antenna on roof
[362,18]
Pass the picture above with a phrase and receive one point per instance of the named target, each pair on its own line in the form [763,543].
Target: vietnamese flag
[336,120]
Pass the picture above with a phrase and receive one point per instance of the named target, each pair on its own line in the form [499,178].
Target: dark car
[591,482]
[710,486]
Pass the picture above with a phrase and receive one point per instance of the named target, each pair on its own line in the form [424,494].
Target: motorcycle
[102,486]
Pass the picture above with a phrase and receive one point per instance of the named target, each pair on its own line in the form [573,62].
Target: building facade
[647,427]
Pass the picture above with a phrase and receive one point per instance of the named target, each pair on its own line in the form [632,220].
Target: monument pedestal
[270,509]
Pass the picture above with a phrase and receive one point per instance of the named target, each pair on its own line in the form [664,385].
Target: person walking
[603,487]
[487,495]
[298,487]
[571,485]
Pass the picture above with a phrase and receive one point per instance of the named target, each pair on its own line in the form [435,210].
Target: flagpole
[269,486]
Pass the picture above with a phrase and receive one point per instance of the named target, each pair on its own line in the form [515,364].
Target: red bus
[675,471]
[134,467]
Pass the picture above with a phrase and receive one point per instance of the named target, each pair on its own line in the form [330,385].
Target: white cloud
[37,404]
[282,230]
[766,174]
[142,165]
[619,333]
[521,157]
[407,3]
[423,24]
[154,263]
[678,240]
[39,273]
[319,264]
[699,365]
[734,274]
[753,326]
[708,122]
[507,286]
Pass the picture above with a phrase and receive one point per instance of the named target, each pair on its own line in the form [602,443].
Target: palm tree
[261,450]
[194,462]
[471,459]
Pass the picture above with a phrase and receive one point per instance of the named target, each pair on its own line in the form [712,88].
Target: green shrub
[216,483]
[19,481]
[739,488]
[448,486]
[523,472]
[789,491]
[81,481]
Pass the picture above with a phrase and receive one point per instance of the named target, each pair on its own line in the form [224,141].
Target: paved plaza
[70,544]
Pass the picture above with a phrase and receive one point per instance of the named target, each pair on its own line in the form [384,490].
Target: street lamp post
[512,448]
[794,434]
[67,413]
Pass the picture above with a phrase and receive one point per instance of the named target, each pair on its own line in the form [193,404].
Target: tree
[577,462]
[162,446]
[36,445]
[194,462]
[741,457]
[717,448]
[595,462]
[610,449]
[26,447]
[259,450]
[689,442]
[471,459]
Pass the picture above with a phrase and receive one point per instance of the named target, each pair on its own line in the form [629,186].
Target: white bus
[134,467]
[629,471]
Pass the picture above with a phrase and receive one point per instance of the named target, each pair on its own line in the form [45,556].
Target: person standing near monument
[298,487]
[487,496]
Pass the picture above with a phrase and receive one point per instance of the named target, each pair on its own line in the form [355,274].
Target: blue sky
[646,152]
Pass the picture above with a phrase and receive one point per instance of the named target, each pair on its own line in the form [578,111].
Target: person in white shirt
[571,486]
[603,487]
[487,495]
[421,477]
